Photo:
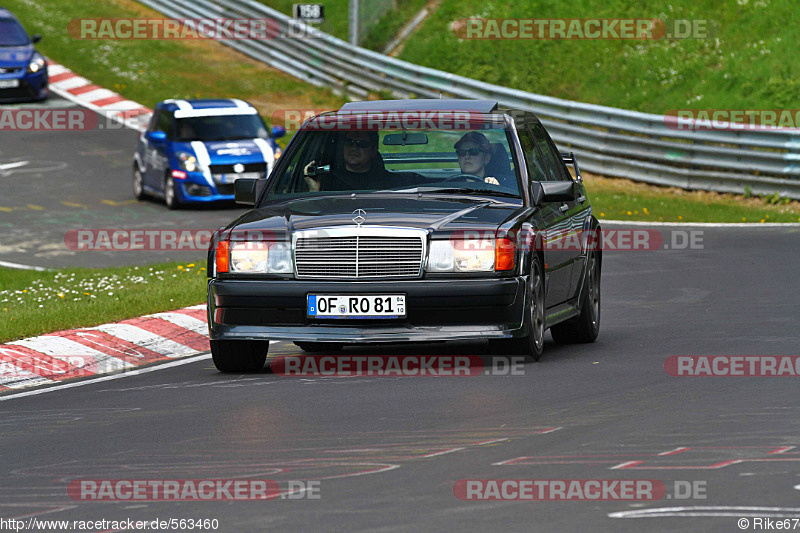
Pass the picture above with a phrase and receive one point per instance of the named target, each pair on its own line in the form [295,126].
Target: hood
[434,213]
[239,151]
[15,56]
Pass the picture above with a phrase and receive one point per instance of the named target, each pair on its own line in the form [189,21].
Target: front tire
[239,356]
[586,326]
[532,345]
[170,194]
[138,183]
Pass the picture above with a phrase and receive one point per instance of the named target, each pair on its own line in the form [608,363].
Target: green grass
[33,303]
[617,199]
[747,65]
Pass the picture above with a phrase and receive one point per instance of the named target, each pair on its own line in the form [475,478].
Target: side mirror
[278,132]
[156,136]
[35,38]
[543,192]
[246,191]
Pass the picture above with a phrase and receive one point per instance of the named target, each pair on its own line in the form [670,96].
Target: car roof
[173,104]
[207,107]
[445,104]
[6,14]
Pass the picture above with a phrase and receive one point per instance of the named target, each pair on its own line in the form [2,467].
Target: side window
[165,124]
[532,162]
[553,164]
[153,126]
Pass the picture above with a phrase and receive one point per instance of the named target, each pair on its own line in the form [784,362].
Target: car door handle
[564,208]
[581,199]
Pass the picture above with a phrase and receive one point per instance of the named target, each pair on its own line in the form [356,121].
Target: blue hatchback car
[23,70]
[193,150]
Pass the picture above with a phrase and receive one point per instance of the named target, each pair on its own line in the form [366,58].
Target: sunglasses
[355,142]
[472,151]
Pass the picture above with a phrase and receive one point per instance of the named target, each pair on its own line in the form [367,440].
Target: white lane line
[766,512]
[184,321]
[21,267]
[702,224]
[549,430]
[484,443]
[112,377]
[623,465]
[145,339]
[676,450]
[508,461]
[443,452]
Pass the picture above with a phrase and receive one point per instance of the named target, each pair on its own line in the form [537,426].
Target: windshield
[12,34]
[444,161]
[220,128]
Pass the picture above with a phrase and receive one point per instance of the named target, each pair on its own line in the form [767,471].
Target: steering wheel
[468,177]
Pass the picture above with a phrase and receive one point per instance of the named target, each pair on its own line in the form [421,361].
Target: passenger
[474,152]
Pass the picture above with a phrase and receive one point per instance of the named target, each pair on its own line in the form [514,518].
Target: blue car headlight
[188,162]
[37,63]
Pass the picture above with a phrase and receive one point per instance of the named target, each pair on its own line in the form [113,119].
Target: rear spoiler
[569,159]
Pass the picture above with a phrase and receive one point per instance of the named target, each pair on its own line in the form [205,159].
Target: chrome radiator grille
[359,253]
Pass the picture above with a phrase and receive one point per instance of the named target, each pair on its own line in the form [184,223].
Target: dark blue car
[194,150]
[23,70]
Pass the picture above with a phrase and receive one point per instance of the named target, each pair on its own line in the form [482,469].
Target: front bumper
[195,189]
[31,87]
[437,310]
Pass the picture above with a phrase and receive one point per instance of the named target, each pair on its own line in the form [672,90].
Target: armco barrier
[608,141]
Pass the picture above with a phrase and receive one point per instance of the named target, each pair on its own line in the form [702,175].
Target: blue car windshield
[219,128]
[12,34]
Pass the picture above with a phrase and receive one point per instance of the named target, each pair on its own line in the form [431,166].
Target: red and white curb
[55,357]
[83,92]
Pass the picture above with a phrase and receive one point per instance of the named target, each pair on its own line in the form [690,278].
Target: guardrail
[609,141]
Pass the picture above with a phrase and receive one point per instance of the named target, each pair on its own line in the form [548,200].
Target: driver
[363,165]
[474,152]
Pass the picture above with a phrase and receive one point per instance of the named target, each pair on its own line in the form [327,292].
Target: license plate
[356,306]
[9,84]
[230,178]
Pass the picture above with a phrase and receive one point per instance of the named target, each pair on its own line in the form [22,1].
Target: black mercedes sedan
[408,221]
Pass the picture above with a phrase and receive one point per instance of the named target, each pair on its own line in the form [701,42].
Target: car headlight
[37,64]
[188,161]
[277,153]
[261,257]
[468,255]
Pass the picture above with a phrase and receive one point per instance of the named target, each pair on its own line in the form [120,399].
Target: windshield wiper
[465,190]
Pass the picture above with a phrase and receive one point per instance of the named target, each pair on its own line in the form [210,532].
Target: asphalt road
[53,182]
[388,451]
